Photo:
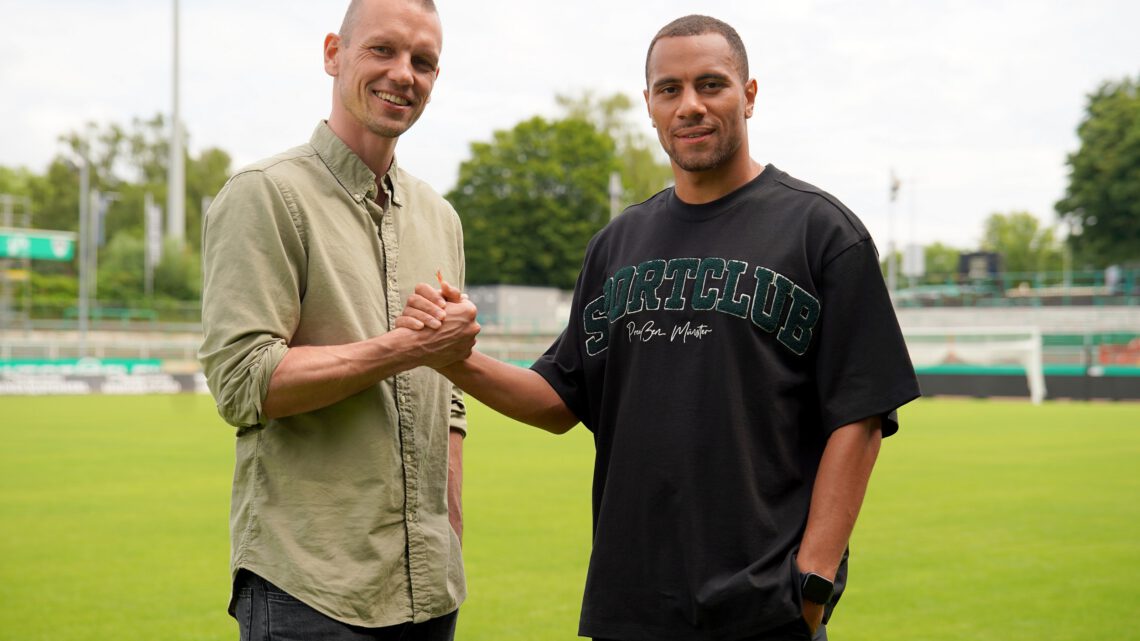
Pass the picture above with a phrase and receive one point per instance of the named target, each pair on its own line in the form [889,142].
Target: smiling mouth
[694,135]
[392,98]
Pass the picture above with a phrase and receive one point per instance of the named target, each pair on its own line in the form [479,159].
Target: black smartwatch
[816,588]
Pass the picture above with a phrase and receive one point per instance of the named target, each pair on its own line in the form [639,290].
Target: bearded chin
[704,162]
[385,131]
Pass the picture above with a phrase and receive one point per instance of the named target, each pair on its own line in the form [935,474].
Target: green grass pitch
[985,520]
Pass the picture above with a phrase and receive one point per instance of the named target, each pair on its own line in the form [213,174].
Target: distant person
[734,351]
[1112,279]
[349,458]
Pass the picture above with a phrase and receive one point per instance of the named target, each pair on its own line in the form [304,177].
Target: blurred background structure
[1006,209]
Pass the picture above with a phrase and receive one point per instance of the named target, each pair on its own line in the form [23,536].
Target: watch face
[817,589]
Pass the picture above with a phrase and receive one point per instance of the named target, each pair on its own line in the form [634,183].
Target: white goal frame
[981,346]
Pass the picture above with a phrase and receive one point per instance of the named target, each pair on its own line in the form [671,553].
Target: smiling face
[384,70]
[699,103]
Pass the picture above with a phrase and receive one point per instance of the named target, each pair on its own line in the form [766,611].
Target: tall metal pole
[28,267]
[5,296]
[912,246]
[95,209]
[176,176]
[84,218]
[892,263]
[153,216]
[615,194]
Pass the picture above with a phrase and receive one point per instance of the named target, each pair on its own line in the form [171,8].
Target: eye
[382,50]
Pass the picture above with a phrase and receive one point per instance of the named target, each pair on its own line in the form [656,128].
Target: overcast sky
[973,103]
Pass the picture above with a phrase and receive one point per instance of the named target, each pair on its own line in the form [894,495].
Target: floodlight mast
[176,173]
[615,194]
[892,264]
[84,216]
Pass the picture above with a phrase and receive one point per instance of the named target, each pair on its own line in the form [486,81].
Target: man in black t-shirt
[733,349]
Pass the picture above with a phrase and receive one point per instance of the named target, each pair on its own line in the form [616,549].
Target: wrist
[399,348]
[810,564]
[816,589]
[461,371]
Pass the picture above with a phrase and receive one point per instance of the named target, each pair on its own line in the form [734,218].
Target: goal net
[981,347]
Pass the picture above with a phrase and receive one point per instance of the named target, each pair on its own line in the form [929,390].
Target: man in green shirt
[345,518]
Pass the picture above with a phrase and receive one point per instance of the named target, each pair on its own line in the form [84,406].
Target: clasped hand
[449,318]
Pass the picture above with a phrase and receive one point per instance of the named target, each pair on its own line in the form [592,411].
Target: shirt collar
[349,170]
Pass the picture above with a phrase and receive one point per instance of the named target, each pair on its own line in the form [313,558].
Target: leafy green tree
[132,161]
[179,273]
[127,162]
[531,199]
[55,197]
[1102,202]
[16,181]
[941,263]
[1025,246]
[52,294]
[643,171]
[205,176]
[121,270]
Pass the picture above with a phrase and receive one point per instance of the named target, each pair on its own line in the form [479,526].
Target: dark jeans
[794,631]
[265,612]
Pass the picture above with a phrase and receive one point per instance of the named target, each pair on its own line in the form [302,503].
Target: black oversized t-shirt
[711,350]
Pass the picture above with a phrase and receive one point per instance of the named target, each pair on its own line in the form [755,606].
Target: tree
[179,274]
[132,161]
[129,162]
[1102,202]
[1024,245]
[941,263]
[642,173]
[121,270]
[531,199]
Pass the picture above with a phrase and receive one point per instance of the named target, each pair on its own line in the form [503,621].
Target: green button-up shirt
[345,507]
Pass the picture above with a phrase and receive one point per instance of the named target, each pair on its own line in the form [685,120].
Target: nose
[401,71]
[691,105]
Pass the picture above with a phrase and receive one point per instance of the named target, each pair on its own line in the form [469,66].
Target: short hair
[697,25]
[353,9]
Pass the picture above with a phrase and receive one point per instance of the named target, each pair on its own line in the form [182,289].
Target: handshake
[443,324]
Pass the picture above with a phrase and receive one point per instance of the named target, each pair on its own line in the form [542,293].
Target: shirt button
[358,197]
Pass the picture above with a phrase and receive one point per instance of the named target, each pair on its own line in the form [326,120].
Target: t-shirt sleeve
[561,366]
[862,365]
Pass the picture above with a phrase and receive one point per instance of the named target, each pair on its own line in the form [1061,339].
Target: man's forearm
[455,481]
[840,486]
[311,377]
[517,392]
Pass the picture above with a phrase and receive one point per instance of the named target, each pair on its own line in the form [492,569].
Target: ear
[332,48]
[750,97]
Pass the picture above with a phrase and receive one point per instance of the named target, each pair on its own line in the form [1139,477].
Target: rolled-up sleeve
[253,281]
[458,418]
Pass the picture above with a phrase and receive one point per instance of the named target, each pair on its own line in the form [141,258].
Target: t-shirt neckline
[722,205]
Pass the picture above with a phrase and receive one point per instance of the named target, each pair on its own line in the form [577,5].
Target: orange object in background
[1127,354]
